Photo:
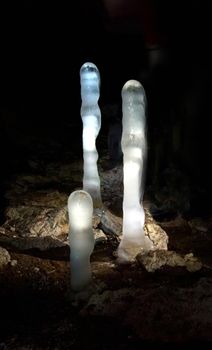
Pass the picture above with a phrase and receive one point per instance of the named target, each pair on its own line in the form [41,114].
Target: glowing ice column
[80,210]
[134,149]
[91,118]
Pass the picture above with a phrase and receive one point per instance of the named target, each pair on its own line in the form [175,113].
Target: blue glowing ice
[91,118]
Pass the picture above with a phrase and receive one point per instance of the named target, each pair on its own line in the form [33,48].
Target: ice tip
[89,67]
[80,196]
[131,85]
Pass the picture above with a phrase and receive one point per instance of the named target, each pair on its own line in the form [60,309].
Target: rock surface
[4,257]
[163,296]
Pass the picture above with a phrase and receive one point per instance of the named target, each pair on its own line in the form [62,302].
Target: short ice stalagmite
[80,211]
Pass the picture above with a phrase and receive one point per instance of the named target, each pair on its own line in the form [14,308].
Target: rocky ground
[164,297]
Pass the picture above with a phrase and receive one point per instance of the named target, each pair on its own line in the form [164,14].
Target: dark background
[42,49]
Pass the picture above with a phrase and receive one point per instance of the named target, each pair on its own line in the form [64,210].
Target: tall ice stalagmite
[134,147]
[91,118]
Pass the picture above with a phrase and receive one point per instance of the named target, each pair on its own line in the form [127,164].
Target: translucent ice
[80,211]
[134,149]
[91,118]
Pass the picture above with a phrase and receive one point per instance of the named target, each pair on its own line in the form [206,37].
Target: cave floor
[125,306]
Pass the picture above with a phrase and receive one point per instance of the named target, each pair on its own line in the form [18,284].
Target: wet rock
[13,263]
[111,223]
[4,257]
[155,232]
[154,260]
[99,236]
[36,221]
[192,263]
[159,313]
[11,239]
[197,224]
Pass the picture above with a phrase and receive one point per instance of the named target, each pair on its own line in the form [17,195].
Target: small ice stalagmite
[80,211]
[134,147]
[91,118]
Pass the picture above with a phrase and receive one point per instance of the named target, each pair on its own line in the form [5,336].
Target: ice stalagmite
[80,211]
[134,150]
[91,118]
